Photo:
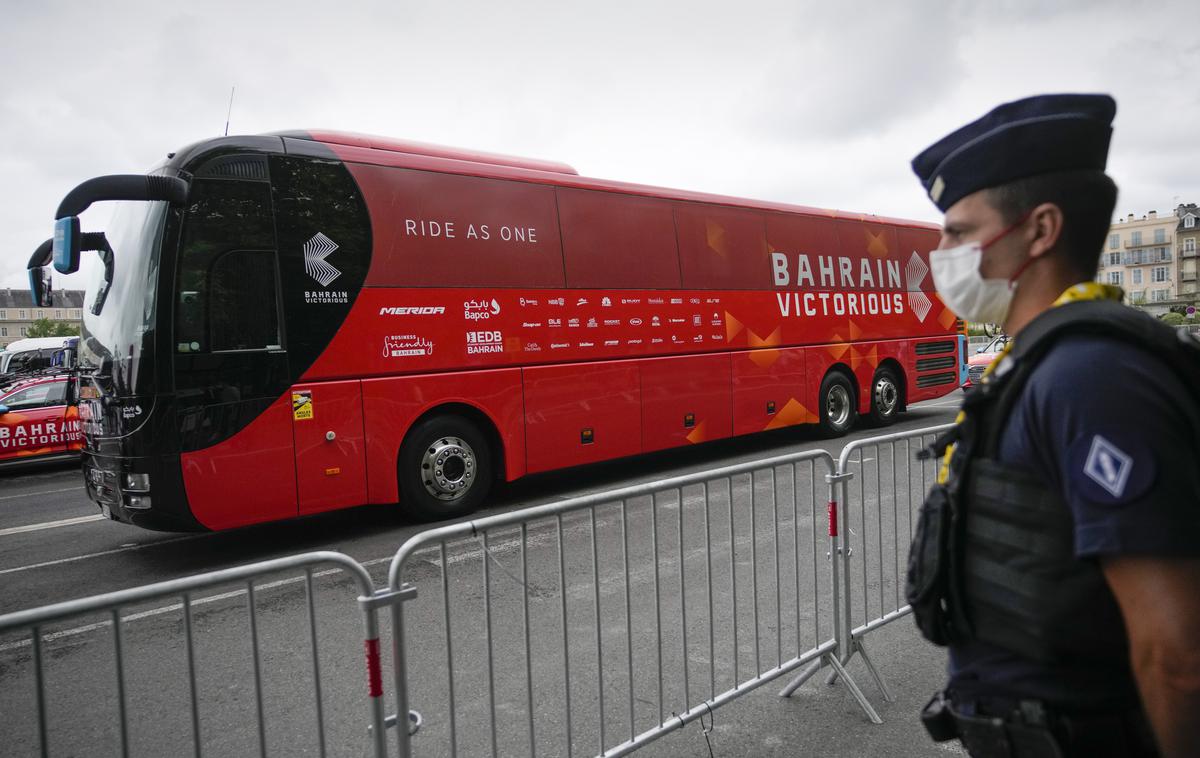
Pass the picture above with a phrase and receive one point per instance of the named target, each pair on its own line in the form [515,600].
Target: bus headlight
[137,483]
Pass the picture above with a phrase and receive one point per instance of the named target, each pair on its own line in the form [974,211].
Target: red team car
[38,421]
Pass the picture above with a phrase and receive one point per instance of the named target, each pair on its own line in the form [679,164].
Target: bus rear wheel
[885,397]
[838,410]
[445,468]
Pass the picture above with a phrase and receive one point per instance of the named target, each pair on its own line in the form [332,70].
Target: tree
[45,327]
[1173,319]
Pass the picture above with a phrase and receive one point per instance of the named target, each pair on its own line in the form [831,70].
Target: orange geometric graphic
[855,332]
[773,339]
[947,318]
[791,414]
[698,434]
[764,358]
[838,349]
[715,234]
[876,244]
[733,327]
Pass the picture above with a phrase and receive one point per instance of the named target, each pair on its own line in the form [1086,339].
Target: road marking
[49,525]
[74,558]
[35,494]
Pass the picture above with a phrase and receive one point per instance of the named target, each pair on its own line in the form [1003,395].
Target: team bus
[285,324]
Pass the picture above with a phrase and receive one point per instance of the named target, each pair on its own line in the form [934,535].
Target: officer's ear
[1044,229]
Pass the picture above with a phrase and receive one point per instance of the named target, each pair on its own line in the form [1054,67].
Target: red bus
[304,321]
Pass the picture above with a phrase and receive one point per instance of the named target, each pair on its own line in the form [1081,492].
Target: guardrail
[601,623]
[599,614]
[31,631]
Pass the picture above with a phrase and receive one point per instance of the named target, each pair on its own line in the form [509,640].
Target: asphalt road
[54,547]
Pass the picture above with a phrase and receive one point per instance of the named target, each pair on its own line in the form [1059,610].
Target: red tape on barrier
[833,525]
[374,673]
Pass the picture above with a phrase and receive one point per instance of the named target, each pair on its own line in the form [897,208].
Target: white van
[32,353]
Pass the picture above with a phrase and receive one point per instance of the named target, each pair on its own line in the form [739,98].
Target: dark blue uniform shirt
[1112,429]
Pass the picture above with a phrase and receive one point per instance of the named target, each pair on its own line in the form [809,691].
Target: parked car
[39,420]
[982,358]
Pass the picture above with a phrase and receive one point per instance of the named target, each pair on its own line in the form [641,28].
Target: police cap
[1023,138]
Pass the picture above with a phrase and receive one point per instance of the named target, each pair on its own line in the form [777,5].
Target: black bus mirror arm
[39,279]
[98,242]
[122,187]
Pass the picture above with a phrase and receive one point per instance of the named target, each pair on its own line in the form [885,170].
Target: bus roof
[420,155]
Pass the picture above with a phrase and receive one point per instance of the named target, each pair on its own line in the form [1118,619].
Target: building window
[1160,236]
[3,331]
[1114,277]
[21,316]
[58,314]
[41,313]
[24,331]
[1135,238]
[1114,241]
[75,314]
[1159,274]
[1189,246]
[3,315]
[1136,276]
[1159,296]
[1137,296]
[1114,259]
[1189,222]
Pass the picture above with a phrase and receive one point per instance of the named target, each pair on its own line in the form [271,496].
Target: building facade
[1140,257]
[17,312]
[1187,243]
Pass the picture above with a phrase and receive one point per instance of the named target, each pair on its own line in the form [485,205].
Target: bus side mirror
[40,287]
[3,409]
[66,245]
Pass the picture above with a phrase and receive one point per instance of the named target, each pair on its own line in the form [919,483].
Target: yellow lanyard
[1074,293]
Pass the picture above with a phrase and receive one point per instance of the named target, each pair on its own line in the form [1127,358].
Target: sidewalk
[821,720]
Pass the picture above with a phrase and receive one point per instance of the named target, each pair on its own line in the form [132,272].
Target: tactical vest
[992,557]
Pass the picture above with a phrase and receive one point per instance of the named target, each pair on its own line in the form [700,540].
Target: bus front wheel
[445,468]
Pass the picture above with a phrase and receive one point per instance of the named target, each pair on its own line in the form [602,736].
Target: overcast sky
[816,103]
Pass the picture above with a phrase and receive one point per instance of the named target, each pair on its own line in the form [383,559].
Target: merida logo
[429,310]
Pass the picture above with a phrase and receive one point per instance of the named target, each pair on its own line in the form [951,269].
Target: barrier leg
[854,690]
[802,677]
[860,646]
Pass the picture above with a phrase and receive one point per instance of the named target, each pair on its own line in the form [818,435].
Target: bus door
[231,359]
[327,424]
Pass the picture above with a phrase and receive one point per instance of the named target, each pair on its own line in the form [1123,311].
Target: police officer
[1058,557]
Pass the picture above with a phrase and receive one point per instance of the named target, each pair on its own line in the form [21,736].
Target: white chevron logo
[316,250]
[915,273]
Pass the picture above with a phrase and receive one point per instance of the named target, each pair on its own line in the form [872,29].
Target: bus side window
[245,314]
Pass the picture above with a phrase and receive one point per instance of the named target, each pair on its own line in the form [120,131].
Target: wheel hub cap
[448,468]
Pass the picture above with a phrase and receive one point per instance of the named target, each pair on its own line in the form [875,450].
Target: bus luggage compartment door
[327,423]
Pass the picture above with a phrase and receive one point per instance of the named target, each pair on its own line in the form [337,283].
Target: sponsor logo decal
[612,322]
[559,345]
[478,310]
[635,322]
[555,322]
[557,301]
[531,324]
[316,250]
[581,301]
[406,310]
[606,302]
[40,434]
[405,345]
[612,343]
[529,301]
[533,347]
[485,342]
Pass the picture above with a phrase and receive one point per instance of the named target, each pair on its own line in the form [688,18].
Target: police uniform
[1093,455]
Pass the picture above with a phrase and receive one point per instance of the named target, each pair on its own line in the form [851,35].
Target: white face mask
[964,290]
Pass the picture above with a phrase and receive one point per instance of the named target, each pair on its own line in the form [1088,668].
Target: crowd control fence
[175,668]
[591,626]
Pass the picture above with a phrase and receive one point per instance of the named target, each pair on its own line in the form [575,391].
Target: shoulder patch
[1106,472]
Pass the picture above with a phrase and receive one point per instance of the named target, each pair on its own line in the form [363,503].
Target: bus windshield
[114,339]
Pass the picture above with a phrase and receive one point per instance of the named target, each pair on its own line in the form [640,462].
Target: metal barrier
[879,518]
[594,622]
[34,636]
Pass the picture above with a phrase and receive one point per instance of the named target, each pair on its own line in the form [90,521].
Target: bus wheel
[838,412]
[885,397]
[445,468]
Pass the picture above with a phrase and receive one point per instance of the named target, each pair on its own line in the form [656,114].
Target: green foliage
[1174,319]
[45,327]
